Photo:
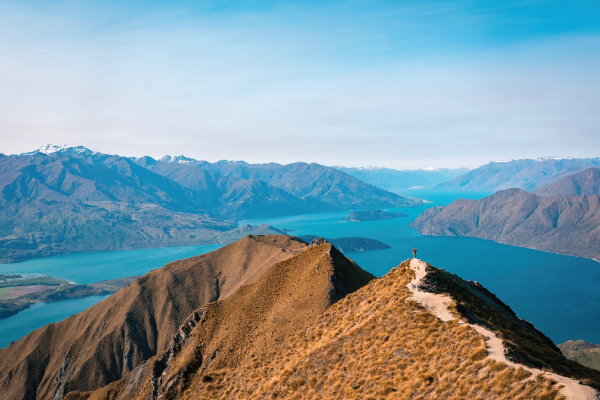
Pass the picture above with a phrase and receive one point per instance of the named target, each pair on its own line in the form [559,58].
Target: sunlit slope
[100,345]
[276,338]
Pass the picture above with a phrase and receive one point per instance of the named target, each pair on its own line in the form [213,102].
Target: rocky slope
[586,182]
[112,338]
[317,327]
[560,224]
[583,352]
[527,174]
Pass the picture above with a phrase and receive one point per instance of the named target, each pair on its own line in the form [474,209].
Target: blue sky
[397,84]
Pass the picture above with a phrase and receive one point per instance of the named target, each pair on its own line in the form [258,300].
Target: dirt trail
[438,305]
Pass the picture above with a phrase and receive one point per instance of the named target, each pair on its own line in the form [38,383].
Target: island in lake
[350,244]
[372,215]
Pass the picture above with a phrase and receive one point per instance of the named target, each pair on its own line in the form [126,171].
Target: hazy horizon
[443,84]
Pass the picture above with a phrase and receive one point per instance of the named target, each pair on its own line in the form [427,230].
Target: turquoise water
[40,314]
[94,267]
[559,294]
[84,268]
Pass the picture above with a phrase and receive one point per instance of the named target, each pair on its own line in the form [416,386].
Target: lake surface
[559,294]
[40,314]
[84,268]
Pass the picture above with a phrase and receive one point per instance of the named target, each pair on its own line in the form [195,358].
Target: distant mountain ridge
[395,180]
[308,182]
[560,223]
[526,174]
[586,182]
[61,199]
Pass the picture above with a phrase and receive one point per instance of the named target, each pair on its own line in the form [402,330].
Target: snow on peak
[178,160]
[549,158]
[538,159]
[50,149]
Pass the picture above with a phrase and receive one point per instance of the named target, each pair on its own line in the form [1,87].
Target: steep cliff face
[561,224]
[100,345]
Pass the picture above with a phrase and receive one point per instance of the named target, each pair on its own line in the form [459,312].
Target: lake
[558,294]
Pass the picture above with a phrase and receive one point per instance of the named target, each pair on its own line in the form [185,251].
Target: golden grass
[376,343]
[526,344]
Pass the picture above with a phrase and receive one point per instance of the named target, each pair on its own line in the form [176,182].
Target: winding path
[438,305]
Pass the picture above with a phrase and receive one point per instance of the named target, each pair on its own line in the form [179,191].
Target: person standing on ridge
[414,252]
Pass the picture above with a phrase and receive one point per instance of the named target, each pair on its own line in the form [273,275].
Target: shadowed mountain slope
[586,182]
[90,177]
[70,201]
[105,342]
[561,224]
[312,181]
[524,174]
[269,341]
[60,199]
[234,196]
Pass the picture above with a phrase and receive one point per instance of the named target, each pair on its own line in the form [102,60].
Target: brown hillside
[586,182]
[560,224]
[238,330]
[375,343]
[100,345]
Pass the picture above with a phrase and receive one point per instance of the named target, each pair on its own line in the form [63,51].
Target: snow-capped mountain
[50,149]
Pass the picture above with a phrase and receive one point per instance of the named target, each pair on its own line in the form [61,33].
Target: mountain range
[270,317]
[61,199]
[526,174]
[566,220]
[395,180]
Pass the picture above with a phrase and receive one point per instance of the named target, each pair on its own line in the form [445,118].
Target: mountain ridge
[526,174]
[135,323]
[61,199]
[586,182]
[561,224]
[377,341]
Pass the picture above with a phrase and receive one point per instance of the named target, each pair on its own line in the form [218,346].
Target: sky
[398,84]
